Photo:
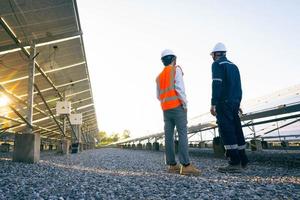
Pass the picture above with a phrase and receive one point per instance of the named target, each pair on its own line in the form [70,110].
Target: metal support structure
[83,134]
[36,121]
[22,124]
[6,128]
[282,126]
[42,41]
[64,124]
[29,124]
[87,131]
[19,100]
[18,42]
[82,43]
[78,129]
[192,135]
[20,45]
[87,134]
[274,120]
[285,109]
[85,137]
[72,127]
[31,72]
[47,106]
[253,129]
[248,124]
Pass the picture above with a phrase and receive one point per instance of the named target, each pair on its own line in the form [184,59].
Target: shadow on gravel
[276,158]
[132,174]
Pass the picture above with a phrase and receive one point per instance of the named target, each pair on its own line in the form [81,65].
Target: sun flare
[4,101]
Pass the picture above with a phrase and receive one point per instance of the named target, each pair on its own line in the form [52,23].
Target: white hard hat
[218,47]
[167,52]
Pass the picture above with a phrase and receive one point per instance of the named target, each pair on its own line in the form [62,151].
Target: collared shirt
[179,87]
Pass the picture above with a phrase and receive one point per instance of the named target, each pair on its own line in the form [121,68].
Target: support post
[30,86]
[63,144]
[218,147]
[27,145]
[201,138]
[76,141]
[155,145]
[253,129]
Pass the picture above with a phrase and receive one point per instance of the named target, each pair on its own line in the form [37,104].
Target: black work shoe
[244,159]
[230,169]
[244,165]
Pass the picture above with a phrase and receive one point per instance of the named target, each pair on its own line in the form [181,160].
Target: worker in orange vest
[171,94]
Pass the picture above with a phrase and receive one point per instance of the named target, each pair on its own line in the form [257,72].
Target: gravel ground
[137,174]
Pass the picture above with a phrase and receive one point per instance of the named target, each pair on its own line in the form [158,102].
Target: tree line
[104,139]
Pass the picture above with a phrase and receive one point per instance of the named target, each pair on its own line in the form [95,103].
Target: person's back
[231,85]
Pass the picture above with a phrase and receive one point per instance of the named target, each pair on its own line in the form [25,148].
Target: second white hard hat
[219,47]
[167,52]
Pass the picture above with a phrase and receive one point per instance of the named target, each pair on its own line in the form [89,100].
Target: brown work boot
[189,170]
[175,169]
[230,169]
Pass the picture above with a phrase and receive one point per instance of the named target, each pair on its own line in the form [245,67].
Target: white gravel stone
[137,174]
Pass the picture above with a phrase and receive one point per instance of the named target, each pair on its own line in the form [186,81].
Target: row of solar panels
[283,106]
[61,71]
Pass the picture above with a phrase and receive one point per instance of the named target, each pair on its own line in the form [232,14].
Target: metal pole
[49,109]
[31,71]
[253,128]
[64,117]
[88,133]
[29,125]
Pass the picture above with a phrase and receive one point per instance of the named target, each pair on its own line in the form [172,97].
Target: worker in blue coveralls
[225,105]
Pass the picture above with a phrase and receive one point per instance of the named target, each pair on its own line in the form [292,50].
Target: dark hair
[220,53]
[167,60]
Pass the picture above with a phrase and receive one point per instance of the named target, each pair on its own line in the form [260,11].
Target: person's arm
[157,91]
[179,86]
[217,79]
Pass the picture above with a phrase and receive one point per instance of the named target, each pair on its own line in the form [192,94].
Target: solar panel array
[61,68]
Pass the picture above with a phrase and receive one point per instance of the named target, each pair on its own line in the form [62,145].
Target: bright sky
[124,38]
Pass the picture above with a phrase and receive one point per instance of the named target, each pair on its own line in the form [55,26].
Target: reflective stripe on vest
[226,62]
[168,95]
[233,146]
[241,147]
[169,99]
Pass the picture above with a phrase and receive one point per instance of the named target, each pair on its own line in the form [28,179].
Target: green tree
[114,137]
[104,139]
[125,134]
[102,135]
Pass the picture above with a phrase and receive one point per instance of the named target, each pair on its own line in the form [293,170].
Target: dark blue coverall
[226,96]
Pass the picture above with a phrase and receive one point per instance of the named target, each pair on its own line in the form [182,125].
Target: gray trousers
[176,117]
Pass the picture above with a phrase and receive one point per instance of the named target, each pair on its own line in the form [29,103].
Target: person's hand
[240,111]
[184,107]
[213,110]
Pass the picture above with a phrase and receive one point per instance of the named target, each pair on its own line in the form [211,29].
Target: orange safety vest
[166,84]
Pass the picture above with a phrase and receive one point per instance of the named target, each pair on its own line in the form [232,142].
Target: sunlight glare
[4,101]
